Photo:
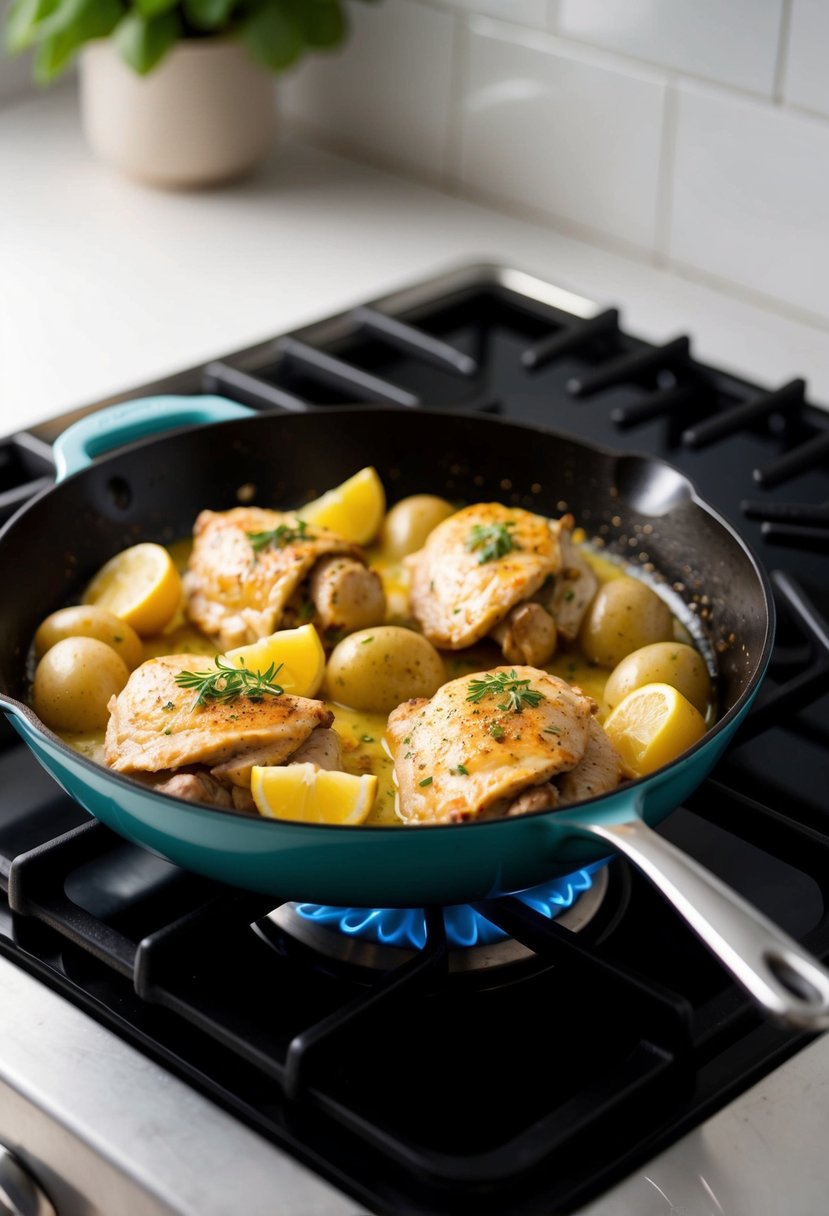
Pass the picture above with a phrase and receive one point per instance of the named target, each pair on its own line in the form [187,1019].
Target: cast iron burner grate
[529,1088]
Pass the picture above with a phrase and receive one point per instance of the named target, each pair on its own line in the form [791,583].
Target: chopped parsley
[169,705]
[426,781]
[462,771]
[490,541]
[366,641]
[496,731]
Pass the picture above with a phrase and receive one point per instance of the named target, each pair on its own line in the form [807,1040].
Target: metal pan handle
[106,429]
[782,977]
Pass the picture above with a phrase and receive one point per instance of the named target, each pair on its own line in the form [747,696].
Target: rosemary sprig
[280,536]
[227,683]
[517,692]
[492,540]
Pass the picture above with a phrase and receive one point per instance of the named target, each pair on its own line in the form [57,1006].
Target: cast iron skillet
[153,490]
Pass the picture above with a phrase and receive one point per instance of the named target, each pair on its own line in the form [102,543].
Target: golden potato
[410,521]
[87,621]
[74,682]
[624,616]
[377,669]
[672,663]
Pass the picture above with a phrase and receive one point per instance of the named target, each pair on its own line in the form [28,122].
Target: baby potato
[624,616]
[74,682]
[410,521]
[671,663]
[377,669]
[87,621]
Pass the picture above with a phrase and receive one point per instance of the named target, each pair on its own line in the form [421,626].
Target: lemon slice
[651,726]
[353,510]
[307,794]
[140,585]
[300,653]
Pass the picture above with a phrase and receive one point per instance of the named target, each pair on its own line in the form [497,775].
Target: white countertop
[106,284]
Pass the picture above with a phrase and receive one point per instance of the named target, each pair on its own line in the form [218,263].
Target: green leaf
[24,21]
[322,22]
[142,43]
[154,8]
[208,14]
[273,35]
[90,19]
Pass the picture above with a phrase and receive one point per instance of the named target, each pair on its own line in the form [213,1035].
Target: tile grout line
[783,45]
[667,163]
[453,142]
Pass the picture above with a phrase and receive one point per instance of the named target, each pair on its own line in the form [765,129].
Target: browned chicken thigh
[202,752]
[489,745]
[505,572]
[252,570]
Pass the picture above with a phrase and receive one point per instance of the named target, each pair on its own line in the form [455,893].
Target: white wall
[690,133]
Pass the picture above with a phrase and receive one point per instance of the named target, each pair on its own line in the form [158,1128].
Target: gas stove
[172,1045]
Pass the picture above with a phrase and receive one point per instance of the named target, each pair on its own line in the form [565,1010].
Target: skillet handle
[106,429]
[782,977]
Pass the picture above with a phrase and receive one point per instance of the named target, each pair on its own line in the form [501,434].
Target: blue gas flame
[406,927]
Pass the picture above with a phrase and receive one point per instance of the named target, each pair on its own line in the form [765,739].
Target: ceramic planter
[203,116]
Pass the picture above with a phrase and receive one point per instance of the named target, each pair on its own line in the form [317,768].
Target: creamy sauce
[362,732]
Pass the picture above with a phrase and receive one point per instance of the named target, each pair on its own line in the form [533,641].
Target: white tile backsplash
[733,41]
[543,126]
[751,185]
[693,132]
[390,91]
[807,67]
[525,12]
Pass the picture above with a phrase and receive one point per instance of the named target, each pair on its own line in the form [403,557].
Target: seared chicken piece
[574,587]
[456,759]
[194,785]
[528,635]
[491,569]
[154,725]
[238,593]
[600,770]
[346,595]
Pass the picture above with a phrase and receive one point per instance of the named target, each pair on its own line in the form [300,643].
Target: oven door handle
[20,1195]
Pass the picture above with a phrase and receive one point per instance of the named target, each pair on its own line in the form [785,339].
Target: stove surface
[536,1086]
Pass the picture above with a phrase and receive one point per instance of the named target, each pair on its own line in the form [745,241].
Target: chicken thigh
[500,571]
[249,568]
[487,745]
[155,727]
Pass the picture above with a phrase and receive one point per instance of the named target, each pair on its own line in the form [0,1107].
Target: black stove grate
[531,1088]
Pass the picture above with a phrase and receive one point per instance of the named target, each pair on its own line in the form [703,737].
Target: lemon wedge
[298,654]
[140,585]
[353,510]
[651,726]
[307,794]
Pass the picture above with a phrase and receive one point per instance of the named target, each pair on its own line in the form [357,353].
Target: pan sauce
[362,732]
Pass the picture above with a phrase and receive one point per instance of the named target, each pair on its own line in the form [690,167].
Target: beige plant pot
[204,115]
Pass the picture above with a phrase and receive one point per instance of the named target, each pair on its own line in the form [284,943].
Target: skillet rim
[21,710]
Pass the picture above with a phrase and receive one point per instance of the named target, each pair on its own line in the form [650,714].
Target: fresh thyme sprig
[227,683]
[517,692]
[493,540]
[280,536]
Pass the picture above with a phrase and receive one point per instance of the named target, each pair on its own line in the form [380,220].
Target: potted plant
[176,92]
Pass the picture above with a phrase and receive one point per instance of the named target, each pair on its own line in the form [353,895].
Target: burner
[383,938]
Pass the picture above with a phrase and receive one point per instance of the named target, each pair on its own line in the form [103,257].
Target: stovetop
[534,1086]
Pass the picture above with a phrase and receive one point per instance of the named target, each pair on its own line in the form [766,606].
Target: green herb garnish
[227,683]
[492,540]
[552,730]
[462,770]
[426,781]
[496,731]
[517,692]
[279,537]
[169,705]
